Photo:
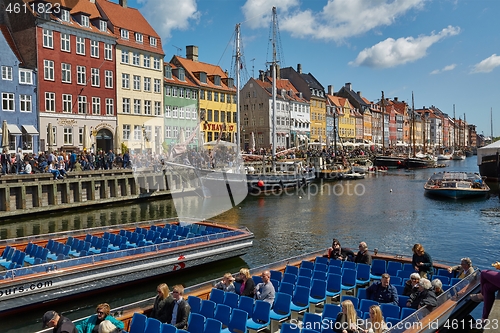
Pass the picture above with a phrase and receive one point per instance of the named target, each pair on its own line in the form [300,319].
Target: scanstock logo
[204,180]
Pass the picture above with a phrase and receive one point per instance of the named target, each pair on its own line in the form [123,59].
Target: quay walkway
[36,193]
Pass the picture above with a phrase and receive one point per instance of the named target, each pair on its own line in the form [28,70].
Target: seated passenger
[363,256]
[346,321]
[265,291]
[178,312]
[437,286]
[383,291]
[336,252]
[163,301]
[226,283]
[376,323]
[424,298]
[422,261]
[107,327]
[247,284]
[91,324]
[465,268]
[411,284]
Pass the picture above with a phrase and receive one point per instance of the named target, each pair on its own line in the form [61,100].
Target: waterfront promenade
[303,221]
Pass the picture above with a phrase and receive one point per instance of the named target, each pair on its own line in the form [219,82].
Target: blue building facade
[18,97]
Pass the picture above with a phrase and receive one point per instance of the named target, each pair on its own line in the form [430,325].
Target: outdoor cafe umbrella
[5,135]
[253,141]
[86,137]
[50,137]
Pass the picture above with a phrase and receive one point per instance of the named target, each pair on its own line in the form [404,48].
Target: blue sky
[447,51]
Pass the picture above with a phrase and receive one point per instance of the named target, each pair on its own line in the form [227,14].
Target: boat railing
[92,259]
[455,293]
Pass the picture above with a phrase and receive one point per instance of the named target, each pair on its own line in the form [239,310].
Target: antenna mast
[274,68]
[491,123]
[179,50]
[238,64]
[383,121]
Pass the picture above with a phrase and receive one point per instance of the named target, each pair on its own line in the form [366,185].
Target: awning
[300,120]
[30,129]
[14,130]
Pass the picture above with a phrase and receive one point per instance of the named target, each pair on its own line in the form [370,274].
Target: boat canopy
[490,149]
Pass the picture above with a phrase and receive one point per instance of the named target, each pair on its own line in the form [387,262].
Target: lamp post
[143,143]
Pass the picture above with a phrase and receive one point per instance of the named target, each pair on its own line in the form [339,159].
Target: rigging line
[228,43]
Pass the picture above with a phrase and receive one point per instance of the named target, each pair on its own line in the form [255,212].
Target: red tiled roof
[175,80]
[191,67]
[8,37]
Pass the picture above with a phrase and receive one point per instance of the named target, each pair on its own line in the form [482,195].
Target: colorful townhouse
[332,111]
[367,122]
[18,93]
[360,107]
[139,78]
[347,121]
[216,97]
[181,107]
[313,92]
[72,49]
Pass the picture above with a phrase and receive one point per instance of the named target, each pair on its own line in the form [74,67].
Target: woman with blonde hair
[376,323]
[346,321]
[247,284]
[226,283]
[162,303]
[421,261]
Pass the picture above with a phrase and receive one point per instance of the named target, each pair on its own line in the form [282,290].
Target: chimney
[192,53]
[360,94]
[92,1]
[395,99]
[278,72]
[261,75]
[299,68]
[348,86]
[330,90]
[123,3]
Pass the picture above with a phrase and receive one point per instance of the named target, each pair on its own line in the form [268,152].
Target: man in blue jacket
[91,324]
[383,291]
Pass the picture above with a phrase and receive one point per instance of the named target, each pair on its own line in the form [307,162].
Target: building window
[80,135]
[137,82]
[168,131]
[67,103]
[188,93]
[48,38]
[103,25]
[95,77]
[147,61]
[209,95]
[138,37]
[126,105]
[156,63]
[25,103]
[108,51]
[167,111]
[216,116]
[85,20]
[126,132]
[94,49]
[137,106]
[181,92]
[64,15]
[48,70]
[65,43]
[125,81]
[124,33]
[25,76]
[168,91]
[66,73]
[174,91]
[68,135]
[216,96]
[108,76]
[96,105]
[137,132]
[147,107]
[82,104]
[222,97]
[157,108]
[7,73]
[7,101]
[81,75]
[147,84]
[181,113]
[124,56]
[175,112]
[110,107]
[80,45]
[157,86]
[168,71]
[136,59]
[50,102]
[153,41]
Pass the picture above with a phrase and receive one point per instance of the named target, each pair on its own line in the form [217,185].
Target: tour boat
[456,185]
[488,161]
[44,268]
[332,281]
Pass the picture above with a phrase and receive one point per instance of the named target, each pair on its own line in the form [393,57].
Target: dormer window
[153,41]
[64,15]
[138,37]
[181,74]
[168,71]
[203,77]
[85,21]
[103,25]
[217,80]
[124,33]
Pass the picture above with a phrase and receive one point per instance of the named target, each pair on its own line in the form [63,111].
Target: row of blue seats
[12,258]
[142,324]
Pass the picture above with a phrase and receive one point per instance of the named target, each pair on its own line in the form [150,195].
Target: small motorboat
[456,185]
[353,175]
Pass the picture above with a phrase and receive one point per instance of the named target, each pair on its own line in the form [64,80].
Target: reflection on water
[389,211]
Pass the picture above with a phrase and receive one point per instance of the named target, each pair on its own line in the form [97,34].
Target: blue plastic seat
[318,266]
[454,281]
[349,265]
[348,279]
[392,321]
[138,324]
[168,328]
[246,304]
[307,264]
[362,293]
[281,309]
[217,296]
[402,299]
[404,274]
[335,262]
[362,274]
[196,323]
[321,260]
[408,267]
[305,272]
[311,321]
[353,299]
[260,318]
[378,268]
[195,303]
[292,270]
[396,280]
[223,314]
[212,326]
[152,326]
[319,275]
[331,311]
[300,299]
[444,272]
[365,304]
[231,300]
[390,310]
[333,285]
[276,284]
[237,322]
[276,275]
[405,312]
[303,281]
[442,278]
[207,308]
[332,269]
[317,295]
[287,288]
[289,278]
[393,267]
[257,279]
[399,288]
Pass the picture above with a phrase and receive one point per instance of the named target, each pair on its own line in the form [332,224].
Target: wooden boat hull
[392,162]
[42,283]
[489,167]
[456,185]
[419,163]
[270,182]
[454,303]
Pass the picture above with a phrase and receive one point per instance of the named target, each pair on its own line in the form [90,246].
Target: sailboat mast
[454,128]
[238,64]
[491,123]
[383,121]
[274,68]
[413,122]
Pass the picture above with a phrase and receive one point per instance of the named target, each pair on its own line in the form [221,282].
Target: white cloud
[445,69]
[167,15]
[487,65]
[337,20]
[394,52]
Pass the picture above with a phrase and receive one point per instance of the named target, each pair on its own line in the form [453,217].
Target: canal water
[387,210]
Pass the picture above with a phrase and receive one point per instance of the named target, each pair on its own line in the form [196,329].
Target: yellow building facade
[318,119]
[347,121]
